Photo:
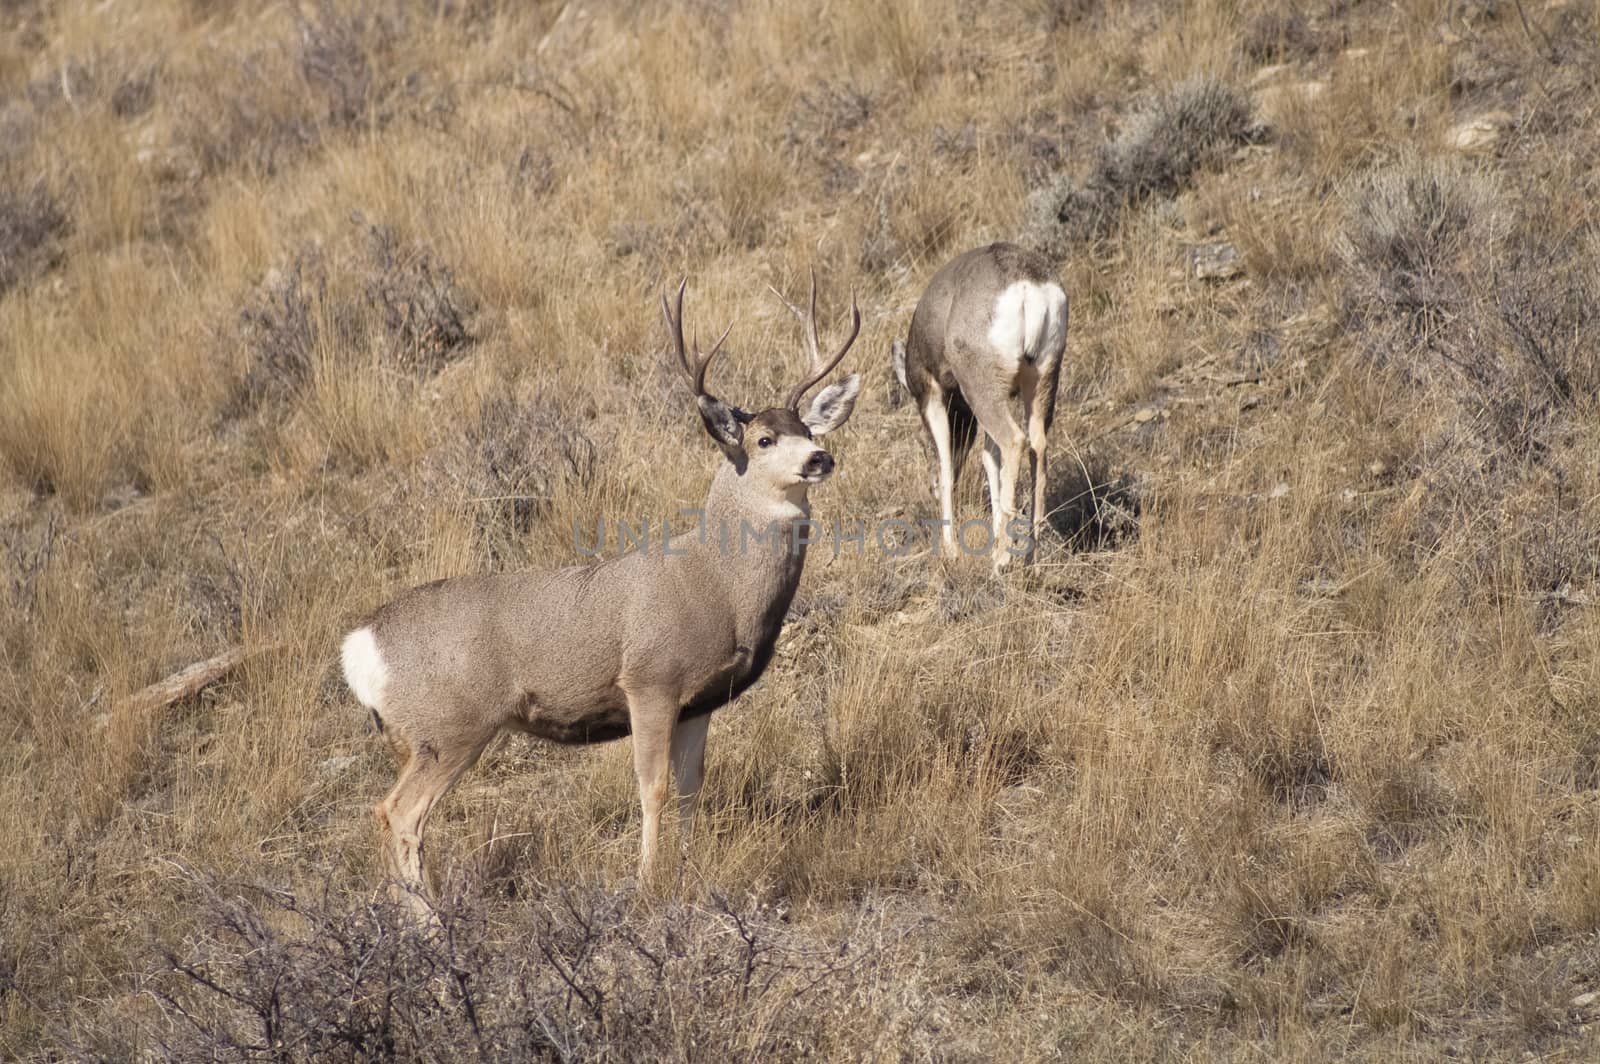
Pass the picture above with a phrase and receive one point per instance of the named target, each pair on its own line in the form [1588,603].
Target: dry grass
[1287,750]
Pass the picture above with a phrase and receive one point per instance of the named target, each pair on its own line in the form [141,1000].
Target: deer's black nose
[820,464]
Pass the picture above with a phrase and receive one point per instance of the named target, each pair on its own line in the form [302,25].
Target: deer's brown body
[647,644]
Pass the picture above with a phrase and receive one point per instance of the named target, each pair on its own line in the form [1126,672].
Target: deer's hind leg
[428,769]
[1039,401]
[936,415]
[1001,461]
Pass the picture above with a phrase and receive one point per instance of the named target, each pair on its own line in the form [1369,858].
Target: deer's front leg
[689,769]
[652,716]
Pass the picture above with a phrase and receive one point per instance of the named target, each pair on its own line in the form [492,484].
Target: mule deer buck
[647,644]
[992,326]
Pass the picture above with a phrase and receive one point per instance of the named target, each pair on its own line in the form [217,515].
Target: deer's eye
[765,441]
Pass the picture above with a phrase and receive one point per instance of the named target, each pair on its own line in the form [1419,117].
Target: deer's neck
[754,544]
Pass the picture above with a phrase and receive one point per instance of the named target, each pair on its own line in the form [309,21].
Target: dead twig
[189,680]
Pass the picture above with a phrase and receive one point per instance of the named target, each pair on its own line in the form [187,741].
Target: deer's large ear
[725,423]
[833,405]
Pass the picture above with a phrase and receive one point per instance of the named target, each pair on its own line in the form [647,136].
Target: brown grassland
[1287,749]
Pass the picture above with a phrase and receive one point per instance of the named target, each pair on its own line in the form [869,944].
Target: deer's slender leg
[689,769]
[993,411]
[937,416]
[652,716]
[991,473]
[1010,462]
[1040,481]
[429,771]
[1033,399]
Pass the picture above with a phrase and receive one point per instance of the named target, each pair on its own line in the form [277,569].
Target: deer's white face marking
[364,668]
[1029,322]
[780,452]
[781,449]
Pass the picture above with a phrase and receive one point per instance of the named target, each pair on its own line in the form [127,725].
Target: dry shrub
[1511,522]
[237,126]
[1546,303]
[334,51]
[1494,320]
[1279,35]
[574,973]
[342,71]
[1089,506]
[823,118]
[1193,127]
[396,299]
[32,224]
[280,330]
[1056,15]
[420,309]
[1414,234]
[508,463]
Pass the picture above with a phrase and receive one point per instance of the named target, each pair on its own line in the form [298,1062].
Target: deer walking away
[647,644]
[990,330]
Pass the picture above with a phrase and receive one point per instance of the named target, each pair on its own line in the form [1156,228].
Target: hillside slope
[1289,747]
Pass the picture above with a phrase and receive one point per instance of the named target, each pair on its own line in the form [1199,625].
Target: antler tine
[811,321]
[675,326]
[808,322]
[819,368]
[694,369]
[702,362]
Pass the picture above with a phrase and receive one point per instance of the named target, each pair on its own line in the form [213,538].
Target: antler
[695,371]
[819,368]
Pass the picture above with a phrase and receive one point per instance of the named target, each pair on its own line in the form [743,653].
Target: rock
[1216,262]
[1583,1001]
[1270,73]
[337,764]
[1377,468]
[1279,491]
[1144,415]
[1478,134]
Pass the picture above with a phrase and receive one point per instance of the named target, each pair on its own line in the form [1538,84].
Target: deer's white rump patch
[1029,322]
[364,668]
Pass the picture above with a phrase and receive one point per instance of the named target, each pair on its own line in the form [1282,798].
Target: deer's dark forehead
[781,421]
